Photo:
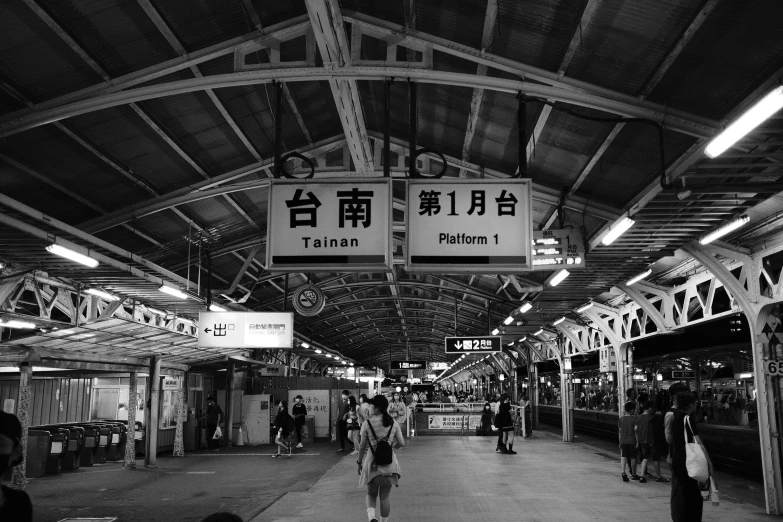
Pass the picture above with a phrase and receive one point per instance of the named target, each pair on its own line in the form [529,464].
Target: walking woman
[504,421]
[686,501]
[283,424]
[299,412]
[351,419]
[379,478]
[397,409]
[363,410]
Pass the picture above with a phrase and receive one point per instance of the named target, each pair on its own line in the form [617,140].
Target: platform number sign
[487,344]
[773,368]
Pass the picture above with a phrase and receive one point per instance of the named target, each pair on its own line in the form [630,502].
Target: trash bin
[308,430]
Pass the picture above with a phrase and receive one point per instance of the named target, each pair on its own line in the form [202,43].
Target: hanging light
[13,323]
[173,291]
[558,321]
[539,332]
[638,277]
[558,277]
[508,320]
[216,308]
[731,226]
[305,345]
[318,351]
[749,120]
[522,339]
[617,230]
[495,331]
[72,255]
[584,307]
[525,307]
[502,377]
[100,293]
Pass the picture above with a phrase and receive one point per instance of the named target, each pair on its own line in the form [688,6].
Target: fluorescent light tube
[101,294]
[749,120]
[558,278]
[725,229]
[525,307]
[13,323]
[617,230]
[216,308]
[305,345]
[558,321]
[318,351]
[539,332]
[328,354]
[508,320]
[584,307]
[72,255]
[344,362]
[495,331]
[351,364]
[522,340]
[173,291]
[638,277]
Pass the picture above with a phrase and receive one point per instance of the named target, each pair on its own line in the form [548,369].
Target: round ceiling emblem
[309,300]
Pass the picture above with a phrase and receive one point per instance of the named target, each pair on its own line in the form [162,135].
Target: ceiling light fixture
[13,323]
[558,277]
[558,321]
[72,255]
[328,354]
[731,226]
[539,332]
[495,331]
[584,307]
[305,345]
[508,320]
[318,351]
[617,230]
[638,277]
[216,308]
[525,307]
[176,292]
[101,294]
[749,120]
[684,194]
[522,339]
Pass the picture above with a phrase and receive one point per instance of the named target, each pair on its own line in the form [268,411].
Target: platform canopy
[144,132]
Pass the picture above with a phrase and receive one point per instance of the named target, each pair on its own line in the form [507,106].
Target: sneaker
[276,456]
[354,452]
[300,445]
[625,478]
[635,477]
[642,480]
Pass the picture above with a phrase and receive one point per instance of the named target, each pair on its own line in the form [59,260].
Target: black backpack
[383,451]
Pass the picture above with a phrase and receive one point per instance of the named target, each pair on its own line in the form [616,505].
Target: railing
[464,407]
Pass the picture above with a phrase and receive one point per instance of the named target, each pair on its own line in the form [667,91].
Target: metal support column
[532,377]
[230,402]
[285,294]
[278,127]
[413,125]
[130,444]
[386,126]
[179,443]
[23,411]
[151,453]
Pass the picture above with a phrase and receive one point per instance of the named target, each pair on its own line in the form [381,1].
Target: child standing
[628,442]
[645,437]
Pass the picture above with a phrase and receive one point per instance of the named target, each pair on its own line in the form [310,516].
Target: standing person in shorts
[504,421]
[352,424]
[659,448]
[379,479]
[281,428]
[644,436]
[299,412]
[628,442]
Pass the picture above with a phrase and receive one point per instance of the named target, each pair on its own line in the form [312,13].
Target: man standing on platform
[214,419]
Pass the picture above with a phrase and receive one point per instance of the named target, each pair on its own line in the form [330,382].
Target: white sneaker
[300,445]
[355,452]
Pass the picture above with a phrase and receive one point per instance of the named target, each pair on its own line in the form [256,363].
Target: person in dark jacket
[14,504]
[486,419]
[214,418]
[686,501]
[299,412]
[504,421]
[283,424]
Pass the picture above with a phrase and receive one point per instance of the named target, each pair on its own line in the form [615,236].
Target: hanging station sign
[308,300]
[331,226]
[484,344]
[607,360]
[245,329]
[408,365]
[439,366]
[558,248]
[481,226]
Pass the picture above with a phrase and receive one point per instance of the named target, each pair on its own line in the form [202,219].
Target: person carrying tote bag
[688,456]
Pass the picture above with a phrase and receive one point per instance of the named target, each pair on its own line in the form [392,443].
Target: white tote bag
[695,459]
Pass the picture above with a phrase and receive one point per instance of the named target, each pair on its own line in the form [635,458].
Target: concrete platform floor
[444,479]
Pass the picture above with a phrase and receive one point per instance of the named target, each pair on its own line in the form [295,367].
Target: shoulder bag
[695,459]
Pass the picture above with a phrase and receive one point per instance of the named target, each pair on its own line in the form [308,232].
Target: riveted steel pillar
[151,453]
[130,444]
[23,411]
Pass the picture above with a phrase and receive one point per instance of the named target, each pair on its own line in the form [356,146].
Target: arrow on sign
[207,330]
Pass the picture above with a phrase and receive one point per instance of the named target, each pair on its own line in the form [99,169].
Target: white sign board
[245,329]
[453,422]
[479,226]
[274,370]
[170,384]
[439,366]
[317,404]
[553,249]
[607,360]
[335,225]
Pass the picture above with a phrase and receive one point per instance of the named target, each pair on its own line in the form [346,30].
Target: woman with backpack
[378,466]
[284,423]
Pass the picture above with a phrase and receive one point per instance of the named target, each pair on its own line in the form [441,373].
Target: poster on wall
[453,422]
[168,410]
[317,404]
